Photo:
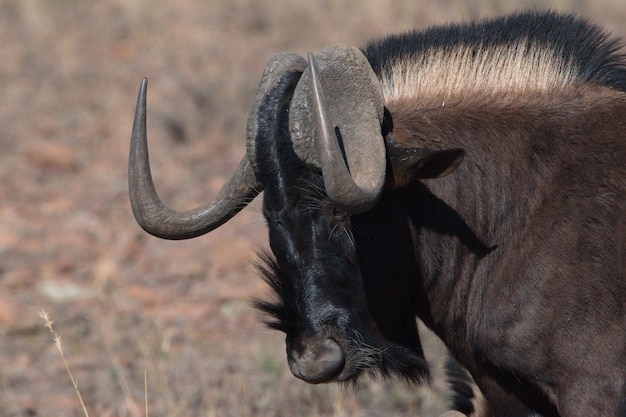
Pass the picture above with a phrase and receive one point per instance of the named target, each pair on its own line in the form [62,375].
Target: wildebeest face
[321,301]
[315,275]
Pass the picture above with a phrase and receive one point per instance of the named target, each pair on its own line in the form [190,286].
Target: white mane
[514,68]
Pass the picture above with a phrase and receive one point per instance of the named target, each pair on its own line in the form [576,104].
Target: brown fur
[543,183]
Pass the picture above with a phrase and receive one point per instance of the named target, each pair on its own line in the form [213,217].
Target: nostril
[318,361]
[330,355]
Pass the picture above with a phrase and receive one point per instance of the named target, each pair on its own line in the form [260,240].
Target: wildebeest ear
[409,164]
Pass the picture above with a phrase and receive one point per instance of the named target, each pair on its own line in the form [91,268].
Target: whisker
[366,357]
[350,236]
[312,196]
[330,235]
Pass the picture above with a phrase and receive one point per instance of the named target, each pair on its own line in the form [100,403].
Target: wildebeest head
[319,145]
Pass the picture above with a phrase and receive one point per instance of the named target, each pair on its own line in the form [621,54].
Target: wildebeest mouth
[329,360]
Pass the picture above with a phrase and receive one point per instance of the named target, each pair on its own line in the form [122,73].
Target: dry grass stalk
[145,389]
[57,343]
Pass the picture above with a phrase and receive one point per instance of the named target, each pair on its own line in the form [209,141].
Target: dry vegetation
[125,302]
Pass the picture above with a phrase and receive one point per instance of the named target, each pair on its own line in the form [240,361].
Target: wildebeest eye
[340,214]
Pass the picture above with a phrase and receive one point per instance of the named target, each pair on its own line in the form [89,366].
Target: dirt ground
[126,303]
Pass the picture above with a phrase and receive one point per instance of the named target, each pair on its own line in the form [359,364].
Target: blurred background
[122,301]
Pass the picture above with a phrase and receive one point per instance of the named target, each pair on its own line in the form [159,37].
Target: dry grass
[268,392]
[57,343]
[127,302]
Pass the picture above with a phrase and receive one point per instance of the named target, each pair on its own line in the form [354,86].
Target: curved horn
[355,190]
[159,220]
[264,110]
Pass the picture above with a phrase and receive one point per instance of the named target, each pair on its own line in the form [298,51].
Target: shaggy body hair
[516,260]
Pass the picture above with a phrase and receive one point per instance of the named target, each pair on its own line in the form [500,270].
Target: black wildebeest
[471,175]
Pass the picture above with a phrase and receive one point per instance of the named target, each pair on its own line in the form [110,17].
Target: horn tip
[143,87]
